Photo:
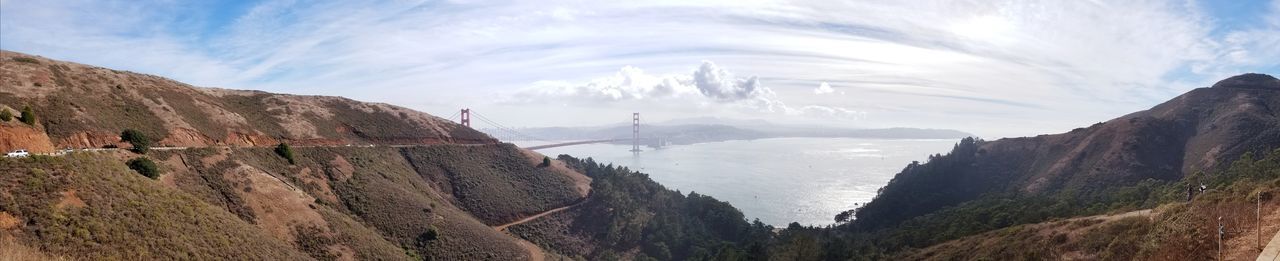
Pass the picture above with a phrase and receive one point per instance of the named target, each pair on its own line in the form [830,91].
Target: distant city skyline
[992,68]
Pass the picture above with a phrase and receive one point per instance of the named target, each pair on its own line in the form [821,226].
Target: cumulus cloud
[823,88]
[720,84]
[631,83]
[708,84]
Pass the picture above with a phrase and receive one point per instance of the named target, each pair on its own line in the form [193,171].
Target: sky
[992,68]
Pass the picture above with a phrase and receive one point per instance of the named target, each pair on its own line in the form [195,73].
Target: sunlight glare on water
[805,180]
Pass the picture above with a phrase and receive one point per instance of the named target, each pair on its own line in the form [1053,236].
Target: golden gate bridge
[508,134]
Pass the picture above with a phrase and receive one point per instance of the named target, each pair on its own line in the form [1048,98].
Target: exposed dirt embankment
[15,136]
[88,140]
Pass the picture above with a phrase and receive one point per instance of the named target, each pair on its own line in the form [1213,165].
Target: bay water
[779,180]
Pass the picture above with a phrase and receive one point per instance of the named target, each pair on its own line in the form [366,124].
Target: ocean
[780,180]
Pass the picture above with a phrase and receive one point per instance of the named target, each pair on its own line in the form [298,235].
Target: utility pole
[1220,232]
[1259,219]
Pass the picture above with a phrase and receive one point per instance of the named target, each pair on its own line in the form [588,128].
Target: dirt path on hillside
[1272,251]
[535,252]
[503,227]
[1135,213]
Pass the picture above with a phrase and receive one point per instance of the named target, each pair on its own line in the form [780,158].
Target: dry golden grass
[11,250]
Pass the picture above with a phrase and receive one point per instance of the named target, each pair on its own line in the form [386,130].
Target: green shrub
[139,141]
[546,161]
[426,237]
[5,115]
[28,116]
[144,166]
[26,60]
[284,151]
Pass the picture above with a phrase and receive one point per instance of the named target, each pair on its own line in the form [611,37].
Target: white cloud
[997,68]
[709,82]
[837,112]
[823,88]
[708,85]
[629,83]
[719,84]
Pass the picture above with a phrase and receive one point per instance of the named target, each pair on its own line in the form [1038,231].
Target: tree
[139,141]
[284,151]
[546,161]
[5,115]
[28,116]
[144,166]
[426,237]
[845,216]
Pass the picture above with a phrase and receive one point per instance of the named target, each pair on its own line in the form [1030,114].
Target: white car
[18,154]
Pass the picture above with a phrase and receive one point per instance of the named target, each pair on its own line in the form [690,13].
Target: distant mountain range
[707,129]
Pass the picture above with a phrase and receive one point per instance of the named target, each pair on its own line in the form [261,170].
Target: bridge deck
[571,144]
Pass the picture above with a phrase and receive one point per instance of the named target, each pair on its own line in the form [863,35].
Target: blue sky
[994,68]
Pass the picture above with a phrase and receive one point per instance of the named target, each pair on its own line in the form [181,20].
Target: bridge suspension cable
[453,117]
[508,134]
[510,131]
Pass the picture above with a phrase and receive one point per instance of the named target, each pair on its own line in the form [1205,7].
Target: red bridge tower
[466,117]
[635,132]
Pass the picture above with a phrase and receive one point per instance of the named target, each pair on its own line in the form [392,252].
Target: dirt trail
[503,227]
[1272,251]
[535,252]
[1135,213]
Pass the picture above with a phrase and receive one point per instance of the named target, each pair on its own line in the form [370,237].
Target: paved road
[1272,251]
[295,146]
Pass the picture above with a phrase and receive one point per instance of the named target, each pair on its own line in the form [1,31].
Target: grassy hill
[1114,165]
[93,207]
[1182,230]
[381,193]
[84,106]
[231,196]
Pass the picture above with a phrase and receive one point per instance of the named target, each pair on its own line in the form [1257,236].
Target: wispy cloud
[997,68]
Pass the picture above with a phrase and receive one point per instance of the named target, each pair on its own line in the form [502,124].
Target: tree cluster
[285,151]
[632,211]
[144,166]
[139,141]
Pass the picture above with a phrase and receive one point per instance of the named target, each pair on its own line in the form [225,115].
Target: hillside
[448,192]
[83,106]
[1175,231]
[1132,162]
[94,206]
[1190,133]
[228,195]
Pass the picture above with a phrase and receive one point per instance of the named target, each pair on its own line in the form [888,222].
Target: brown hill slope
[86,106]
[362,201]
[93,207]
[436,200]
[1192,132]
[1244,196]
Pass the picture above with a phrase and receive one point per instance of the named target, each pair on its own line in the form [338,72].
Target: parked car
[18,154]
